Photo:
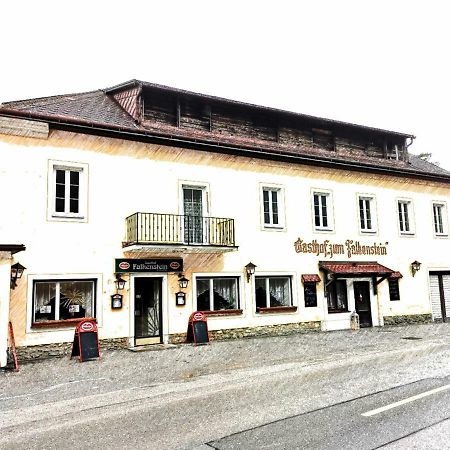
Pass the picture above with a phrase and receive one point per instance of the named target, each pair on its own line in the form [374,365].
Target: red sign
[198,316]
[87,326]
[174,265]
[124,265]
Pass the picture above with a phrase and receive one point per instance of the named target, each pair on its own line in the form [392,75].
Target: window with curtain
[217,293]
[63,300]
[273,292]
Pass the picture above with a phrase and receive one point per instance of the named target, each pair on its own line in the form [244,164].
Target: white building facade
[147,184]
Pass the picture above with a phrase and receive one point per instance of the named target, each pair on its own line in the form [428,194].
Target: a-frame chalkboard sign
[85,341]
[197,331]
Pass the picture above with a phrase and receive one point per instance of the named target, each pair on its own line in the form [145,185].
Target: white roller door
[446,283]
[435,297]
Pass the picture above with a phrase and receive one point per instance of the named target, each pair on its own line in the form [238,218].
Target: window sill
[60,323]
[340,311]
[277,309]
[223,312]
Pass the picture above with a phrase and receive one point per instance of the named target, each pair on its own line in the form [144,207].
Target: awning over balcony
[172,233]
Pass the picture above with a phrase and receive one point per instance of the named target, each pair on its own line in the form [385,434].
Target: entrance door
[147,310]
[440,296]
[361,290]
[193,212]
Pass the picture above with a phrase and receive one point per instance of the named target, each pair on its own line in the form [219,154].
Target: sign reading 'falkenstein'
[329,249]
[149,265]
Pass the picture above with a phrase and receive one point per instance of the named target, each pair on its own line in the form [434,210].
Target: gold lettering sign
[329,249]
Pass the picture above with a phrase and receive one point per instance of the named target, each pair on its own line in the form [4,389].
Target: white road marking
[406,400]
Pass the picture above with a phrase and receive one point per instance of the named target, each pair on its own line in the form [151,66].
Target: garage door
[440,296]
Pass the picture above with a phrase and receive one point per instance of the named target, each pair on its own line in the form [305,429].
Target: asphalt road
[301,391]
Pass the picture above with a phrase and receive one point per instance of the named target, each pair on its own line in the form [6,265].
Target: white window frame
[292,287]
[82,168]
[238,276]
[328,195]
[373,213]
[280,204]
[63,277]
[444,218]
[410,211]
[203,186]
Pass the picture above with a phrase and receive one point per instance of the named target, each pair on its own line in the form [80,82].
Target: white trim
[411,216]
[164,305]
[206,196]
[444,216]
[330,210]
[278,274]
[237,275]
[373,213]
[83,169]
[57,277]
[281,226]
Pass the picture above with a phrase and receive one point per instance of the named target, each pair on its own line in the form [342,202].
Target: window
[272,207]
[67,190]
[322,211]
[310,294]
[367,218]
[337,296]
[63,300]
[218,293]
[273,292]
[394,291]
[405,216]
[440,219]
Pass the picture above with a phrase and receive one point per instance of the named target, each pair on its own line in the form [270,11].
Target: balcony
[172,232]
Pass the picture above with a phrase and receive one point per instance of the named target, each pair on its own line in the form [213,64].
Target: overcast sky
[381,63]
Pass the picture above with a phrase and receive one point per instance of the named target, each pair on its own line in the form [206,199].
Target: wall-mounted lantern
[250,270]
[120,283]
[116,301]
[182,281]
[16,273]
[180,299]
[415,267]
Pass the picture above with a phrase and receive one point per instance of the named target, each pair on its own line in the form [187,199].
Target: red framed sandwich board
[85,341]
[197,331]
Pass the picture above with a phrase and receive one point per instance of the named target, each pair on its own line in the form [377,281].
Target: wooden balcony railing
[173,229]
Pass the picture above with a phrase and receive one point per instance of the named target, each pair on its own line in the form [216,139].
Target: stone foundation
[239,333]
[407,319]
[38,352]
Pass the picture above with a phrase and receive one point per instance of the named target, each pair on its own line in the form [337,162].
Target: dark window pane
[74,206]
[60,190]
[225,293]
[61,176]
[74,192]
[337,296]
[59,205]
[260,292]
[203,294]
[74,177]
[394,291]
[44,301]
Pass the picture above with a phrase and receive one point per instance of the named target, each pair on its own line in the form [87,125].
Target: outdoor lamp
[16,273]
[120,283]
[182,281]
[415,267]
[250,270]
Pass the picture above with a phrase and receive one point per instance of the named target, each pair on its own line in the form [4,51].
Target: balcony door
[193,206]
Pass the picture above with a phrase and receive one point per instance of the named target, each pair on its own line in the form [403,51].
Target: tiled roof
[355,268]
[91,108]
[310,278]
[99,111]
[395,275]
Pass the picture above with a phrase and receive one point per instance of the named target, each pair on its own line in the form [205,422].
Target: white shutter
[446,282]
[435,297]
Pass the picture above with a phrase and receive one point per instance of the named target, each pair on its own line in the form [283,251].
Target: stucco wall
[126,177]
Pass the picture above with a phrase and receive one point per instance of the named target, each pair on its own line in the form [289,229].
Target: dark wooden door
[361,290]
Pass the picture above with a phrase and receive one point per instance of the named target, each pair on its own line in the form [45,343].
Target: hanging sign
[149,265]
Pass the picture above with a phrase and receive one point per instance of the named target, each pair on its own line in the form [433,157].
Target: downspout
[405,157]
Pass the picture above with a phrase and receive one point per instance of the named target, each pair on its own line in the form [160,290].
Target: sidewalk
[61,378]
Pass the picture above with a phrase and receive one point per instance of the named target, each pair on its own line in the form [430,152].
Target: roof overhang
[12,248]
